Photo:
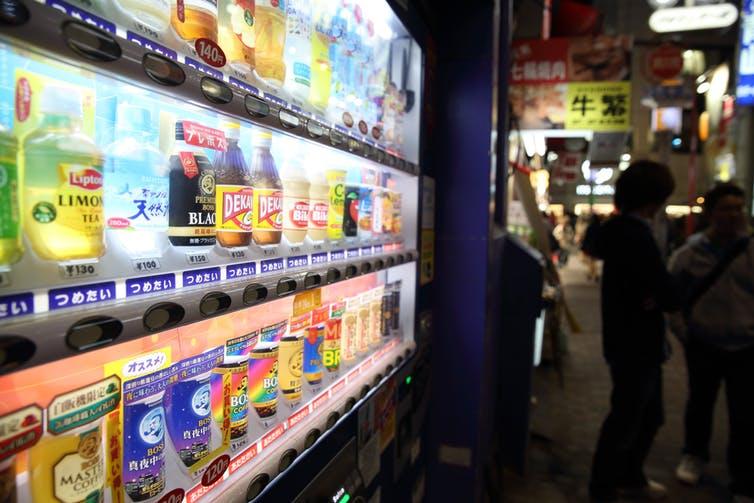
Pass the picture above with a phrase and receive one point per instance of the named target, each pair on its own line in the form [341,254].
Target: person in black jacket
[636,289]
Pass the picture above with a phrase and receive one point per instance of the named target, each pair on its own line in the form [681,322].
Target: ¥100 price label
[146,264]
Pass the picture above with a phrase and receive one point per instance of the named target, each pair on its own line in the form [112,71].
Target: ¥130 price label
[75,271]
[146,264]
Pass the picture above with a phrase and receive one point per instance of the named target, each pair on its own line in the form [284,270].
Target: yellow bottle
[69,468]
[62,172]
[270,41]
[10,233]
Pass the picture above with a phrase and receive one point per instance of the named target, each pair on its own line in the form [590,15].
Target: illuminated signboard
[697,17]
[745,85]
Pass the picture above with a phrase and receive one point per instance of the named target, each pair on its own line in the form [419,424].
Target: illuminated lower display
[175,414]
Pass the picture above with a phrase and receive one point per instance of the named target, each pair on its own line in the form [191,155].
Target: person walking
[716,270]
[636,289]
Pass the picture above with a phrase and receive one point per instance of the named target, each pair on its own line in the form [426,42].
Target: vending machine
[209,224]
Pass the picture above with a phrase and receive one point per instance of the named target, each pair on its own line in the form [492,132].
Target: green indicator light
[409,379]
[345,499]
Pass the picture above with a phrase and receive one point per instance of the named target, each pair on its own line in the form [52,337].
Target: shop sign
[599,106]
[697,17]
[539,61]
[567,167]
[596,190]
[664,62]
[745,86]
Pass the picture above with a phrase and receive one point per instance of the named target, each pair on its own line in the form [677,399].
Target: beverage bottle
[296,205]
[237,33]
[397,223]
[298,50]
[270,41]
[191,214]
[321,69]
[8,480]
[366,202]
[136,184]
[233,192]
[194,19]
[378,205]
[387,206]
[149,18]
[62,172]
[341,61]
[10,219]
[268,193]
[351,204]
[336,182]
[319,195]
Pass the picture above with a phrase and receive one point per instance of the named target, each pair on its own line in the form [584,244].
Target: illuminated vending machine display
[208,234]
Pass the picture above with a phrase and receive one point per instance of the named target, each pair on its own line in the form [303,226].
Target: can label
[337,201]
[331,345]
[80,476]
[238,377]
[235,203]
[348,336]
[313,354]
[9,216]
[144,449]
[188,409]
[291,362]
[362,329]
[263,381]
[268,209]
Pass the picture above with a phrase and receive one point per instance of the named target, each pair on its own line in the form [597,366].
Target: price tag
[235,271]
[75,271]
[4,279]
[270,252]
[295,249]
[197,258]
[238,253]
[337,255]
[317,247]
[146,264]
[298,261]
[80,295]
[366,250]
[150,284]
[210,52]
[319,258]
[215,470]
[353,253]
[272,265]
[201,276]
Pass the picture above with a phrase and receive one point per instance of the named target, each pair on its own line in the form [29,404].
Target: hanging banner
[599,106]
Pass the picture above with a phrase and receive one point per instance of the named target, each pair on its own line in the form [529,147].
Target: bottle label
[188,161]
[135,198]
[78,205]
[296,213]
[80,476]
[318,215]
[8,200]
[203,136]
[335,213]
[191,213]
[351,211]
[268,209]
[235,205]
[241,14]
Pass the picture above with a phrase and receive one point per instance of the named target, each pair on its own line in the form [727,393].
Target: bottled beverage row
[170,421]
[79,159]
[345,59]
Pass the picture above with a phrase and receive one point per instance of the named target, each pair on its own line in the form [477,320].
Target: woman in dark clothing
[636,289]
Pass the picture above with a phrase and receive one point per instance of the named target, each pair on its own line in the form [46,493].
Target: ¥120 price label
[197,258]
[75,271]
[146,264]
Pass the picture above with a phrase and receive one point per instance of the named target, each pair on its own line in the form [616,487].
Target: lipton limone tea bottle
[62,172]
[10,234]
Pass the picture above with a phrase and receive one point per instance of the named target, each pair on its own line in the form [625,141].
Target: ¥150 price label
[197,258]
[75,271]
[146,264]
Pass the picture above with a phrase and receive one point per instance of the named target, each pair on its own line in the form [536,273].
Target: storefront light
[625,157]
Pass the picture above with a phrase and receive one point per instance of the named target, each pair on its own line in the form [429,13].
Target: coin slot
[286,459]
[13,13]
[93,332]
[162,70]
[286,286]
[215,91]
[333,275]
[366,268]
[254,294]
[332,418]
[311,437]
[91,43]
[214,303]
[312,280]
[163,316]
[256,486]
[349,404]
[256,107]
[336,138]
[390,261]
[314,129]
[288,120]
[14,352]
[351,271]
[379,265]
[364,390]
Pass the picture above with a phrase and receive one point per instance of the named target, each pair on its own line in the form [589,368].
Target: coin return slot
[351,271]
[286,286]
[390,261]
[314,129]
[93,332]
[311,437]
[332,418]
[91,43]
[13,13]
[312,280]
[215,91]
[256,486]
[336,138]
[333,275]
[289,120]
[286,459]
[366,268]
[163,316]
[162,70]
[254,294]
[349,404]
[214,303]
[256,107]
[14,352]
[379,265]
